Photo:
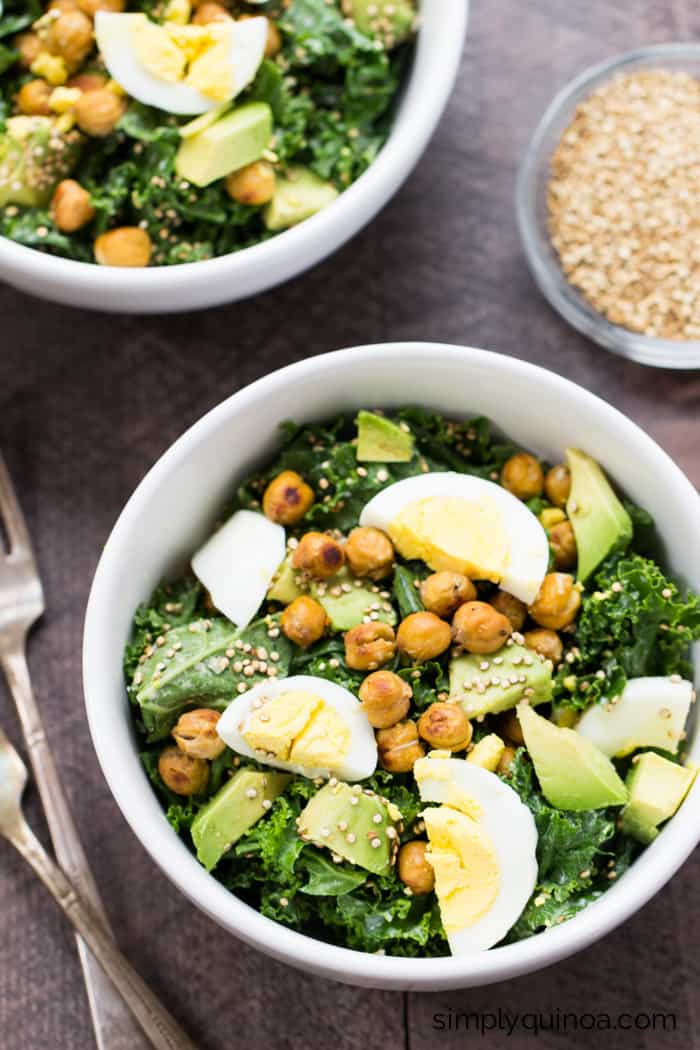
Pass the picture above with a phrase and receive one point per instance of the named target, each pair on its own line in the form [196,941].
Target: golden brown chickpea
[414,870]
[70,206]
[480,628]
[369,552]
[304,621]
[287,498]
[369,646]
[445,726]
[563,542]
[385,698]
[557,484]
[195,734]
[509,728]
[318,555]
[399,747]
[506,760]
[33,98]
[182,773]
[254,184]
[423,636]
[442,593]
[557,603]
[29,45]
[88,81]
[91,7]
[70,36]
[125,246]
[547,643]
[64,5]
[98,112]
[511,607]
[522,475]
[211,12]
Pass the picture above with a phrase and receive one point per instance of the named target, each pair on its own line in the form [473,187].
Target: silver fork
[21,604]
[162,1029]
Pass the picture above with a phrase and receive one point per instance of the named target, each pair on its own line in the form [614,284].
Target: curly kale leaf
[316,34]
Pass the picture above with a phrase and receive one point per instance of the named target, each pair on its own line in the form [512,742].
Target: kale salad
[421,692]
[157,132]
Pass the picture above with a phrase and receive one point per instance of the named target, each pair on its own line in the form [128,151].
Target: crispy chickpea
[480,628]
[304,621]
[369,645]
[211,12]
[369,552]
[399,747]
[33,98]
[414,870]
[385,698]
[442,593]
[97,112]
[522,475]
[506,760]
[318,555]
[557,603]
[511,607]
[195,734]
[254,184]
[563,542]
[70,36]
[88,81]
[445,726]
[29,45]
[64,5]
[273,41]
[423,636]
[70,206]
[509,727]
[183,774]
[91,7]
[557,484]
[545,642]
[287,498]
[125,246]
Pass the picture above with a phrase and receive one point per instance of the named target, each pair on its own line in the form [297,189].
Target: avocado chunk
[34,157]
[486,685]
[237,139]
[353,824]
[298,195]
[344,607]
[284,587]
[599,520]
[656,789]
[381,441]
[391,20]
[572,772]
[232,811]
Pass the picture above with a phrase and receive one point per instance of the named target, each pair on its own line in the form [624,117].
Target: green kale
[405,591]
[171,604]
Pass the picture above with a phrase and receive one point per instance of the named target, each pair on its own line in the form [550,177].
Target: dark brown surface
[87,403]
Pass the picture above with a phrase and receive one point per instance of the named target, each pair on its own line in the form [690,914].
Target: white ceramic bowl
[191,286]
[173,509]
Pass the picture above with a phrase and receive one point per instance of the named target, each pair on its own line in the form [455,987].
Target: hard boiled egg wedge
[186,69]
[483,844]
[650,712]
[303,724]
[464,524]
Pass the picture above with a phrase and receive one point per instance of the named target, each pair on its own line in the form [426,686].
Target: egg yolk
[467,873]
[433,767]
[298,727]
[199,56]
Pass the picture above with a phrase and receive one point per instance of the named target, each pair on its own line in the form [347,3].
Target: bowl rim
[544,267]
[661,860]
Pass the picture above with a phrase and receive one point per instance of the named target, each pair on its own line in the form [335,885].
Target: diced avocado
[487,753]
[284,588]
[232,811]
[599,520]
[485,685]
[351,823]
[656,789]
[572,772]
[345,607]
[34,157]
[391,20]
[381,441]
[237,139]
[299,194]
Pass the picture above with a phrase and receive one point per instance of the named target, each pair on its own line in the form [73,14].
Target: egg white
[528,547]
[358,763]
[651,712]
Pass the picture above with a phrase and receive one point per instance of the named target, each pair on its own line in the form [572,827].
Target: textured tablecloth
[88,402]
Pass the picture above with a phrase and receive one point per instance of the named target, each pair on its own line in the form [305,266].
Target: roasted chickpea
[423,636]
[29,45]
[287,498]
[98,112]
[70,206]
[509,728]
[506,760]
[522,475]
[125,246]
[399,747]
[211,12]
[88,81]
[414,870]
[547,643]
[480,628]
[33,98]
[304,621]
[195,734]
[511,607]
[183,774]
[442,593]
[91,7]
[445,726]
[70,36]
[557,484]
[385,698]
[369,552]
[254,184]
[369,645]
[557,603]
[318,555]
[563,542]
[64,5]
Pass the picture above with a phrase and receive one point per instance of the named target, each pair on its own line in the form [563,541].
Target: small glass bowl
[531,205]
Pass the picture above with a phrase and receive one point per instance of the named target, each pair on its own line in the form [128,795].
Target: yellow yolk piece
[300,728]
[156,52]
[467,874]
[212,72]
[453,534]
[432,768]
[199,56]
[324,740]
